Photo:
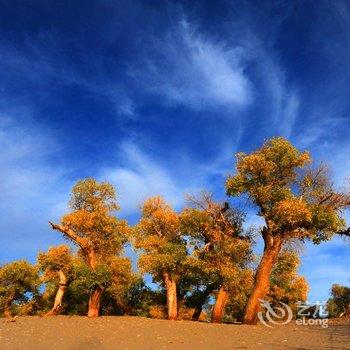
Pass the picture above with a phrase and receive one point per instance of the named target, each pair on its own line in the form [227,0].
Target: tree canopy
[221,252]
[163,248]
[17,279]
[94,228]
[159,237]
[296,201]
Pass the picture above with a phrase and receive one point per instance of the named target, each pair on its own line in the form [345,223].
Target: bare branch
[70,234]
[324,199]
[345,232]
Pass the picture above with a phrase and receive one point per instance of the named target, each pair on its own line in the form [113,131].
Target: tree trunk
[272,248]
[96,294]
[91,257]
[7,307]
[219,306]
[201,301]
[94,302]
[197,312]
[8,303]
[57,305]
[347,312]
[171,295]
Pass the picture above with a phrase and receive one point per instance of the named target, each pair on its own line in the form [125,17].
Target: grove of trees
[200,259]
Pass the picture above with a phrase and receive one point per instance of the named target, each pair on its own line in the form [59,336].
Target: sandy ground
[81,333]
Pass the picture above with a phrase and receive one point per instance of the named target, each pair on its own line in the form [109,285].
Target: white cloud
[40,63]
[282,98]
[141,177]
[289,113]
[32,190]
[338,158]
[186,68]
[321,137]
[325,264]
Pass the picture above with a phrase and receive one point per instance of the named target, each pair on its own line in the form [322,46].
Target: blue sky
[157,96]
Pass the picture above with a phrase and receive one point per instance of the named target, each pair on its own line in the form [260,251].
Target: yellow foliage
[286,285]
[159,238]
[157,312]
[92,218]
[295,201]
[185,313]
[56,258]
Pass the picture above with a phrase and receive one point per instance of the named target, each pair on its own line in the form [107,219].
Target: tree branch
[70,234]
[344,232]
[324,199]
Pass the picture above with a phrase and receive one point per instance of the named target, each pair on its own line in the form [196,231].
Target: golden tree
[121,281]
[92,226]
[17,279]
[56,266]
[163,248]
[339,302]
[220,250]
[295,202]
[286,285]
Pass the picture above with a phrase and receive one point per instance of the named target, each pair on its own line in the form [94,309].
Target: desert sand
[82,333]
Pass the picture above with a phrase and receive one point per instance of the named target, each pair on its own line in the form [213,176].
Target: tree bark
[91,256]
[220,305]
[171,295]
[7,307]
[197,312]
[94,302]
[57,305]
[347,312]
[96,294]
[201,301]
[69,233]
[272,248]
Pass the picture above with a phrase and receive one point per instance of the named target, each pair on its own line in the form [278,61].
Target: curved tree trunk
[94,302]
[171,297]
[57,305]
[91,257]
[272,248]
[219,306]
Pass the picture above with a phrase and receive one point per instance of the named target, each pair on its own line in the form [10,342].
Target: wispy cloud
[323,265]
[289,113]
[188,69]
[140,177]
[45,65]
[32,190]
[281,100]
[140,174]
